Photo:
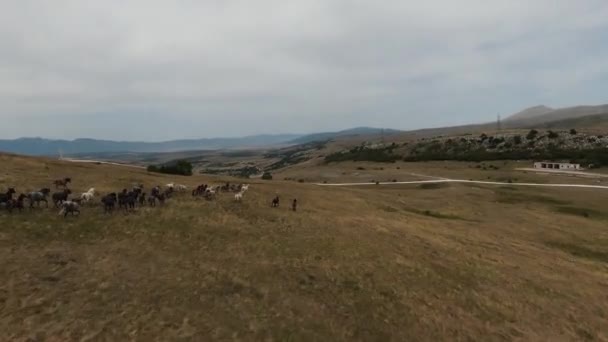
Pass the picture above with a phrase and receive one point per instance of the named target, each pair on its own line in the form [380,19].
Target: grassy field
[424,263]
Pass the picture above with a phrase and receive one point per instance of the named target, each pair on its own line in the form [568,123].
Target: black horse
[109,202]
[60,197]
[18,203]
[6,199]
[275,202]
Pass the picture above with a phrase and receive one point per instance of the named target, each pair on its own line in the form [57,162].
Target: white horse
[180,187]
[245,188]
[210,193]
[88,196]
[239,196]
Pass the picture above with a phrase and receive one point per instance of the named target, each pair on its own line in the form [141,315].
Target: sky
[156,70]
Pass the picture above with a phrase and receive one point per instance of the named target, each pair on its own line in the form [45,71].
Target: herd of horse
[126,200]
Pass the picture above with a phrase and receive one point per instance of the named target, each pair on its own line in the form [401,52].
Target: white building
[557,166]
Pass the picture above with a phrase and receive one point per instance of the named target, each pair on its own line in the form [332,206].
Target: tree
[181,167]
[267,176]
[532,134]
[517,139]
[573,131]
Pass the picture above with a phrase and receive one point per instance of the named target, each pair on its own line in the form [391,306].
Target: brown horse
[62,183]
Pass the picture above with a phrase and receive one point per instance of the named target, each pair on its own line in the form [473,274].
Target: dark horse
[109,201]
[62,182]
[18,203]
[60,197]
[7,198]
[275,202]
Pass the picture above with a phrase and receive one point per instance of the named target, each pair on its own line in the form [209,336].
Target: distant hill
[542,115]
[358,131]
[599,121]
[529,113]
[42,147]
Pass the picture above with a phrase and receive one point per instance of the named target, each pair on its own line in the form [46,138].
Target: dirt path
[99,162]
[565,172]
[471,182]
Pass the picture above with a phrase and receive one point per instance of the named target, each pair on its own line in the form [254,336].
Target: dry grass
[351,264]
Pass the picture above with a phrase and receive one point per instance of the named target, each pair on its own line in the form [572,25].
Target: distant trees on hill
[181,167]
[362,153]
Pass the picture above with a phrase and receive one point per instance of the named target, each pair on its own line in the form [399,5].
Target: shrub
[553,135]
[573,131]
[517,139]
[267,176]
[532,134]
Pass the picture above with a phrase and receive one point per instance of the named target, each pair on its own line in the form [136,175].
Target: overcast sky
[156,70]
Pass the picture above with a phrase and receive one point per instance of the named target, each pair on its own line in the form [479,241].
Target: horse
[60,197]
[18,203]
[88,196]
[62,182]
[142,199]
[39,196]
[238,197]
[7,198]
[68,207]
[161,198]
[275,202]
[109,201]
[210,194]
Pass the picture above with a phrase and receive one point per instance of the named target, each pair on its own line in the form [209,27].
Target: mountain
[531,112]
[40,146]
[358,131]
[535,116]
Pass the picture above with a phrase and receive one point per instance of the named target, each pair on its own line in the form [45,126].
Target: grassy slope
[445,263]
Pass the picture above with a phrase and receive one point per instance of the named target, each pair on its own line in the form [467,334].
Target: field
[416,262]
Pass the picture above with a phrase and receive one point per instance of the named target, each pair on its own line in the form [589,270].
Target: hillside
[529,113]
[535,116]
[391,263]
[353,132]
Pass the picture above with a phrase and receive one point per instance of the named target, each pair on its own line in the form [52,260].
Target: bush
[532,134]
[553,135]
[267,176]
[181,167]
[517,139]
[573,131]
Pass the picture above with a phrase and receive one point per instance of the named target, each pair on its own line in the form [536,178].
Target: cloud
[168,69]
